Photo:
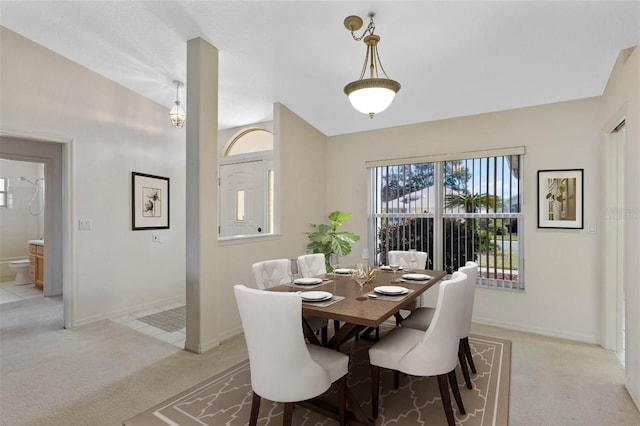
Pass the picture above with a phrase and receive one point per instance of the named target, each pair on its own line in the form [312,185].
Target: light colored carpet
[94,375]
[103,373]
[225,399]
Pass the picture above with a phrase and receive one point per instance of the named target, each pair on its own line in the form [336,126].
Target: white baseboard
[231,334]
[203,347]
[121,312]
[584,338]
[635,396]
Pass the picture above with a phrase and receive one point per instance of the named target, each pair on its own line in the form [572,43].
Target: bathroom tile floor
[167,319]
[9,292]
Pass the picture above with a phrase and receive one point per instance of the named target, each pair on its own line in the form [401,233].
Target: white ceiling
[452,58]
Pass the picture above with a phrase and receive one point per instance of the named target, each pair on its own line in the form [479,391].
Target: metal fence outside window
[456,211]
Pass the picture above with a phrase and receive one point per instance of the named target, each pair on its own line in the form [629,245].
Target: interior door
[242,199]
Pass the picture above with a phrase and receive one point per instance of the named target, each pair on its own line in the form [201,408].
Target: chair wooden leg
[396,379]
[375,390]
[463,365]
[399,318]
[453,381]
[287,418]
[325,336]
[467,351]
[446,399]
[342,400]
[255,409]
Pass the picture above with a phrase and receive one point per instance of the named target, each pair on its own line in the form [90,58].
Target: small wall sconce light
[177,114]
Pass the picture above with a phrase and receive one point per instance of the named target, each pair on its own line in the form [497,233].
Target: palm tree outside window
[457,211]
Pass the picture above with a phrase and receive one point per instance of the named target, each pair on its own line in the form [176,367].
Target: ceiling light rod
[177,114]
[374,94]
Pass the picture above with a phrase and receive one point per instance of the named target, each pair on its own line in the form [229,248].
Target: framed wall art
[560,199]
[149,201]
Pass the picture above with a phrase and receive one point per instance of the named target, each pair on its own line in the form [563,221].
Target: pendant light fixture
[177,114]
[373,94]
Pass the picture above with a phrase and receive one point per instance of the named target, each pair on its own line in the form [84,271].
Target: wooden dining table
[357,308]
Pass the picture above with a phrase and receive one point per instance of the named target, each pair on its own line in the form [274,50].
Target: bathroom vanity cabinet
[36,263]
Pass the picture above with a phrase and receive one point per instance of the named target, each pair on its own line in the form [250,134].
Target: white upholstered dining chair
[312,265]
[271,273]
[420,319]
[404,259]
[283,367]
[425,353]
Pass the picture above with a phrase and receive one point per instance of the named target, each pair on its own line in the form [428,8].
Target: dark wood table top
[360,310]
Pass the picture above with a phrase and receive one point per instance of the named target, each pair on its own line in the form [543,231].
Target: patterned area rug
[225,399]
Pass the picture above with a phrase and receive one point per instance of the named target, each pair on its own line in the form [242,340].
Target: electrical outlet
[85,224]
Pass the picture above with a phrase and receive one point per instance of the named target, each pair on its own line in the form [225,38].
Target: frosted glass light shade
[177,115]
[371,95]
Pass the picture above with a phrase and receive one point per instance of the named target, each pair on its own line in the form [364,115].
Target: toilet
[21,268]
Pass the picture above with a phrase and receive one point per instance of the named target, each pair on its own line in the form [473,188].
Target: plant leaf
[337,217]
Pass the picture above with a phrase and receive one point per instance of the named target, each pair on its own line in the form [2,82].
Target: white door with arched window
[246,184]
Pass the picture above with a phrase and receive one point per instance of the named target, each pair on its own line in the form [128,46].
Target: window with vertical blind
[457,208]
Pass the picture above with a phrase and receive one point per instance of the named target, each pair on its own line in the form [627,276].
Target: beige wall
[562,266]
[621,99]
[299,153]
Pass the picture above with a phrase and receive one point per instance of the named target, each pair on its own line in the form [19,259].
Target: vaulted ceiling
[452,58]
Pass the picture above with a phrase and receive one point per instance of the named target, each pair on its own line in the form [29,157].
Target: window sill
[247,239]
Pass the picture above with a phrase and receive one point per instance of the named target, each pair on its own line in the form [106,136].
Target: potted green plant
[327,239]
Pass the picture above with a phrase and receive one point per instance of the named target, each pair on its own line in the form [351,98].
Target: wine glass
[394,267]
[293,269]
[413,263]
[364,255]
[360,273]
[334,261]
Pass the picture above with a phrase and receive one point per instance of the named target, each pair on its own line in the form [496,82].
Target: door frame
[613,252]
[66,242]
[266,157]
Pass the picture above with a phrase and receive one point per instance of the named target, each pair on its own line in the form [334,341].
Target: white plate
[388,268]
[308,281]
[315,296]
[416,277]
[342,271]
[391,290]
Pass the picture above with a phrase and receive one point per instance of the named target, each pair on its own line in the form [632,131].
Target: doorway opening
[22,187]
[52,157]
[613,248]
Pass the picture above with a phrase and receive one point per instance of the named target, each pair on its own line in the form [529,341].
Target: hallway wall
[113,132]
[621,100]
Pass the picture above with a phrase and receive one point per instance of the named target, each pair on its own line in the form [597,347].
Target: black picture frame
[149,202]
[561,198]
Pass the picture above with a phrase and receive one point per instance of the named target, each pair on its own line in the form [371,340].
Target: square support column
[202,197]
